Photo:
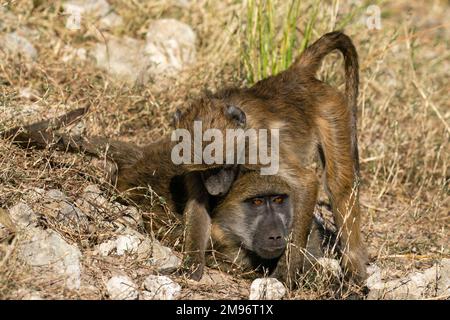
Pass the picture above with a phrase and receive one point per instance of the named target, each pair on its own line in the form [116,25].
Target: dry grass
[403,124]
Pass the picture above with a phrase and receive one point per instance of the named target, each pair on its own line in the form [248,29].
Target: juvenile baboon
[314,120]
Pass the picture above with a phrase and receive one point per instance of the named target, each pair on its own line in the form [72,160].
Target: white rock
[443,284]
[28,93]
[330,265]
[57,195]
[46,248]
[106,248]
[92,189]
[92,198]
[164,259]
[70,214]
[127,244]
[23,216]
[65,212]
[24,294]
[267,289]
[121,288]
[183,3]
[78,129]
[122,58]
[374,276]
[14,44]
[413,286]
[111,20]
[73,54]
[170,46]
[160,288]
[131,242]
[96,8]
[145,248]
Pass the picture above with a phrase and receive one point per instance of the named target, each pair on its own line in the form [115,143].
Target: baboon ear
[236,114]
[176,117]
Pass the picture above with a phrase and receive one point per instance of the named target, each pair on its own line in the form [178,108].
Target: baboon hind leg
[341,184]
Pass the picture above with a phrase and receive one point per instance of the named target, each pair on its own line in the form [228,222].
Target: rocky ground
[64,235]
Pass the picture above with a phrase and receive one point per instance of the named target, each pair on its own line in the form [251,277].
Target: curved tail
[311,59]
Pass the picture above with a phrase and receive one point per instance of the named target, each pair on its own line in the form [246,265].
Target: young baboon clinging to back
[313,119]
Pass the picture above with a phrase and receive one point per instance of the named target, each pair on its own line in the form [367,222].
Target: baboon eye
[278,200]
[257,201]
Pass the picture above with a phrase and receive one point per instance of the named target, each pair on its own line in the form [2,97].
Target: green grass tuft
[274,37]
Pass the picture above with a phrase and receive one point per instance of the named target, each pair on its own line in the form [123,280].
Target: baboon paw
[285,276]
[193,270]
[355,264]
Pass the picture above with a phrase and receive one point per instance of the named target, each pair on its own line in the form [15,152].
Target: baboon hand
[288,273]
[354,263]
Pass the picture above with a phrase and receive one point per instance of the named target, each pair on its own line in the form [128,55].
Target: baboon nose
[276,240]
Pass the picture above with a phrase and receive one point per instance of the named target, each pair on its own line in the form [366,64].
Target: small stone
[14,44]
[24,294]
[160,288]
[28,94]
[121,288]
[443,283]
[96,8]
[145,248]
[111,20]
[127,244]
[170,46]
[47,249]
[164,259]
[92,189]
[374,276]
[106,248]
[92,199]
[23,216]
[123,59]
[78,129]
[57,195]
[267,289]
[4,232]
[330,265]
[73,54]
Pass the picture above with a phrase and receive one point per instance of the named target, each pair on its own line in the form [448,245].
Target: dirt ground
[404,121]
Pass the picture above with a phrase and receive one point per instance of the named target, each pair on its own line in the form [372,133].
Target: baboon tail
[42,134]
[38,134]
[310,60]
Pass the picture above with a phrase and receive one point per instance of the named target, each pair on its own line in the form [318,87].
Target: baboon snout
[275,240]
[271,245]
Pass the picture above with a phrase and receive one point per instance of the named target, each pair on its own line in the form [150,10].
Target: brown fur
[316,119]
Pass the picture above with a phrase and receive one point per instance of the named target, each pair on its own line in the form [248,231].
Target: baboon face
[218,115]
[219,180]
[269,217]
[257,214]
